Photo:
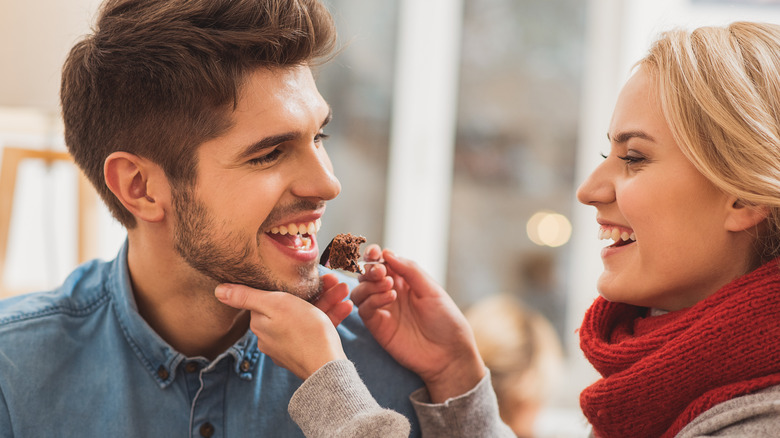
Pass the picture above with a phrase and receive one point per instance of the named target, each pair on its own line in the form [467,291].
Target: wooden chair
[11,159]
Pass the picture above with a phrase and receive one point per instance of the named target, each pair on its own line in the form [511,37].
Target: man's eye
[267,158]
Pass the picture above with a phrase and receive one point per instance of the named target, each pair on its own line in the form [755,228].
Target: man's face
[253,213]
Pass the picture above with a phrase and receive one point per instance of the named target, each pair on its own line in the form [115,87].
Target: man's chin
[304,285]
[307,292]
[310,289]
[307,289]
[313,295]
[301,281]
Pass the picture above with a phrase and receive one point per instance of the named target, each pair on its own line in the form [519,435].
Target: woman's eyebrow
[622,137]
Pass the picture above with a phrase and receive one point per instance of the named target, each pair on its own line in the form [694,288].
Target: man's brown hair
[157,78]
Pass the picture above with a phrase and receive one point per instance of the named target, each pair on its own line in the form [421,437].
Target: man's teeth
[615,234]
[303,228]
[305,243]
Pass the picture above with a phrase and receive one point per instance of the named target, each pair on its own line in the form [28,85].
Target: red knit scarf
[660,372]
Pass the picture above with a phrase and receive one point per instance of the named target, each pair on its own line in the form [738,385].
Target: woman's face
[673,230]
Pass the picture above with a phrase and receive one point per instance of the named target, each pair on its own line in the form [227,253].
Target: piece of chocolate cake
[343,252]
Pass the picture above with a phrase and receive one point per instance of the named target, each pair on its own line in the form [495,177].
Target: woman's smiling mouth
[619,236]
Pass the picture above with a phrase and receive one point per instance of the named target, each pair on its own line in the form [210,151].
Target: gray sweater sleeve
[473,414]
[334,402]
[755,415]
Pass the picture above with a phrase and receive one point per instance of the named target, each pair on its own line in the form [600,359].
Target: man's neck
[178,302]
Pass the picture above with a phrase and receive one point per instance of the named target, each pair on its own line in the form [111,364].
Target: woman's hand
[417,322]
[295,334]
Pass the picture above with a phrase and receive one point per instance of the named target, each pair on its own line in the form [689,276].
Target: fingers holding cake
[375,288]
[373,253]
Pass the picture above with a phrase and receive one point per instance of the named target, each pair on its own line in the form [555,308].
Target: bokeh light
[546,228]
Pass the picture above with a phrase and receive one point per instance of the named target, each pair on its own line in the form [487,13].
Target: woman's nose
[597,188]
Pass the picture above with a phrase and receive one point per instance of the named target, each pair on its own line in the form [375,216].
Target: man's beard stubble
[224,258]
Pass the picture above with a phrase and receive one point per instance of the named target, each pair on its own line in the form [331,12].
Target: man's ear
[139,184]
[741,216]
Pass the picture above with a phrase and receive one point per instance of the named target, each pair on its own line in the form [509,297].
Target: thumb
[410,271]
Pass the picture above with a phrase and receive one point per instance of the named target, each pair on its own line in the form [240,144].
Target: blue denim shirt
[80,361]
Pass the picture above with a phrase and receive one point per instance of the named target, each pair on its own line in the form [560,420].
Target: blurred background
[461,130]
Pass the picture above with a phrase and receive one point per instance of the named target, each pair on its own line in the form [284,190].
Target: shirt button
[162,373]
[206,430]
[191,367]
[245,365]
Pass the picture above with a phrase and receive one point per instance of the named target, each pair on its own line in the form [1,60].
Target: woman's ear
[139,184]
[742,216]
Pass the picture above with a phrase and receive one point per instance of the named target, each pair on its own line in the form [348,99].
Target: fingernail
[222,292]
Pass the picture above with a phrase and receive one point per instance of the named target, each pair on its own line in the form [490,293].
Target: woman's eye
[320,137]
[632,159]
[267,158]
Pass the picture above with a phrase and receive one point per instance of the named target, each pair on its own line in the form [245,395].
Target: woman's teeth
[303,228]
[616,235]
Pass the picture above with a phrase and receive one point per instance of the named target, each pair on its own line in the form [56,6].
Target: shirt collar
[160,359]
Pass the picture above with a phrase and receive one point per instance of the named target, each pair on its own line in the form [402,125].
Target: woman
[685,333]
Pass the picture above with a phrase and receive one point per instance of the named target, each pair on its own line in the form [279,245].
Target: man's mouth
[621,237]
[298,237]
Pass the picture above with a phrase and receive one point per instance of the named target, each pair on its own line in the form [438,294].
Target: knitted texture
[660,372]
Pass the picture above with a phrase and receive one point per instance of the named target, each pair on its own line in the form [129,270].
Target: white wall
[35,36]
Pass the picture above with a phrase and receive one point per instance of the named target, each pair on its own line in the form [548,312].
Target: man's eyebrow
[266,143]
[622,137]
[274,140]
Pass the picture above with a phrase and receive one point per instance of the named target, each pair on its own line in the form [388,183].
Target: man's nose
[316,178]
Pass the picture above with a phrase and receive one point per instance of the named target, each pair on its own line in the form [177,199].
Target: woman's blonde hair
[720,92]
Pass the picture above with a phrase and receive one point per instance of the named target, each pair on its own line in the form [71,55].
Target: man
[200,125]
